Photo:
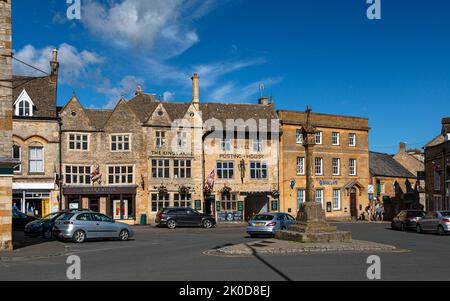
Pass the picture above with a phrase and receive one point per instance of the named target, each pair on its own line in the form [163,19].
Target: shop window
[120,175]
[159,201]
[36,159]
[182,200]
[225,169]
[122,209]
[78,142]
[228,202]
[160,169]
[120,143]
[75,174]
[258,170]
[182,168]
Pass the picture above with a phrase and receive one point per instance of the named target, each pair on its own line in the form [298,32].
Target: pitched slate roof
[143,105]
[97,117]
[437,140]
[224,111]
[385,165]
[41,91]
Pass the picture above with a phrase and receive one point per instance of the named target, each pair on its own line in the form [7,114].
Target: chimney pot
[402,147]
[139,90]
[264,101]
[196,89]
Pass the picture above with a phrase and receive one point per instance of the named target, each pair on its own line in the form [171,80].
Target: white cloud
[163,27]
[74,64]
[168,96]
[234,92]
[126,88]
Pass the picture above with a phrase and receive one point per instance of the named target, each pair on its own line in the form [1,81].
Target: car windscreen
[65,217]
[415,214]
[263,217]
[50,216]
[445,213]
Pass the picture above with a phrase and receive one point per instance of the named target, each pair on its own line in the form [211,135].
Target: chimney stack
[139,91]
[402,147]
[196,90]
[264,101]
[54,66]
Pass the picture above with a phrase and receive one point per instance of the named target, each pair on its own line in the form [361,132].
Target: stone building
[394,185]
[437,169]
[414,161]
[341,163]
[6,126]
[36,143]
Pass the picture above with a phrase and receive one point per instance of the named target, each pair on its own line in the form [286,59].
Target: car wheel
[171,224]
[441,230]
[79,237]
[124,235]
[47,234]
[419,229]
[207,224]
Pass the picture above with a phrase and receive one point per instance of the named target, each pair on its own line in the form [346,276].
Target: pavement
[179,255]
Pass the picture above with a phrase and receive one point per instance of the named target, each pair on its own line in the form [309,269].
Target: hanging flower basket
[226,190]
[162,190]
[183,190]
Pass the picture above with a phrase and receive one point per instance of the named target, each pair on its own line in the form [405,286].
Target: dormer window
[23,106]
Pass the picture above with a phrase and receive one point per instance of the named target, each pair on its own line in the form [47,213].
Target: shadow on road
[270,266]
[21,241]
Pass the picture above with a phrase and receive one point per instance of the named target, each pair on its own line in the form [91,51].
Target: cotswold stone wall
[5,123]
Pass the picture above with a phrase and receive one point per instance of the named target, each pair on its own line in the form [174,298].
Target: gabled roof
[41,91]
[385,165]
[224,111]
[446,126]
[437,140]
[143,105]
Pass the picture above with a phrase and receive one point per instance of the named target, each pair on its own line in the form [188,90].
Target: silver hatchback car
[435,221]
[269,223]
[80,226]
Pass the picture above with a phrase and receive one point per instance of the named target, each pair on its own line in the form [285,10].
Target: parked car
[435,221]
[80,226]
[44,226]
[19,220]
[269,223]
[407,219]
[182,216]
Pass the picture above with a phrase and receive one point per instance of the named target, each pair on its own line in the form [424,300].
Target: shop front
[242,206]
[118,202]
[35,199]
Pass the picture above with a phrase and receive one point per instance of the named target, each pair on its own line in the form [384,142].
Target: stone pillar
[84,203]
[103,206]
[6,164]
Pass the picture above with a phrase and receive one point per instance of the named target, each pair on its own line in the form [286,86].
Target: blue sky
[395,71]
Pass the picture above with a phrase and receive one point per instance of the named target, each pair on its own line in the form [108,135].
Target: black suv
[188,217]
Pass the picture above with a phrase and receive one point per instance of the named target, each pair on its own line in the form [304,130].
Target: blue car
[44,226]
[269,223]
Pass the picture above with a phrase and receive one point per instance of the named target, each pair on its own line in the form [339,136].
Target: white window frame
[75,141]
[335,138]
[77,174]
[182,138]
[257,145]
[120,174]
[225,144]
[382,188]
[227,169]
[299,136]
[182,168]
[23,97]
[316,166]
[353,172]
[319,137]
[301,195]
[337,199]
[20,158]
[319,195]
[160,139]
[333,167]
[259,170]
[36,160]
[300,166]
[117,142]
[352,138]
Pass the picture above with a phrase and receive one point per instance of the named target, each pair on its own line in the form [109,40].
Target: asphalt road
[162,254]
